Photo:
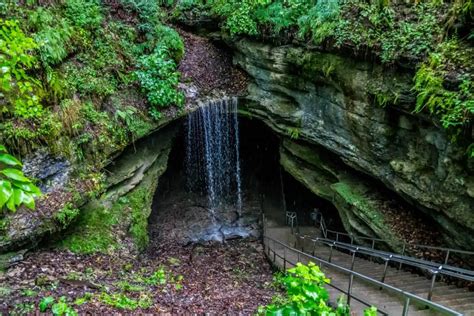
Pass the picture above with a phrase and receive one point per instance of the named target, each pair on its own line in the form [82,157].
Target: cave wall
[328,100]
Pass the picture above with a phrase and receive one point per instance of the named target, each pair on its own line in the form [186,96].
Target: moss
[139,203]
[66,215]
[360,211]
[94,230]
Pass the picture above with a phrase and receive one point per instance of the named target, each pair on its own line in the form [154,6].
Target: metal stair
[372,279]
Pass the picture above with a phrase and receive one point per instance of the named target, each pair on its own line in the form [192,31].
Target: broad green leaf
[11,204]
[15,174]
[18,196]
[46,303]
[28,201]
[28,187]
[5,192]
[2,148]
[9,160]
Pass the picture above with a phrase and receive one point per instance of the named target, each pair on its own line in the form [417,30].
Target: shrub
[84,13]
[454,106]
[159,79]
[21,91]
[321,20]
[305,294]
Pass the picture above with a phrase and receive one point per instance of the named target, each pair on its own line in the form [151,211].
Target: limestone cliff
[331,101]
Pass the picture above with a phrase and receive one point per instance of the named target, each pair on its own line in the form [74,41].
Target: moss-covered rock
[118,219]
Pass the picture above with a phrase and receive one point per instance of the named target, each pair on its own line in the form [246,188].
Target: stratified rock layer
[329,100]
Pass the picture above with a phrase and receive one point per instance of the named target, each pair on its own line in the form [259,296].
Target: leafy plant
[84,13]
[21,91]
[62,308]
[159,79]
[15,188]
[320,21]
[122,301]
[46,303]
[305,294]
[454,107]
[66,215]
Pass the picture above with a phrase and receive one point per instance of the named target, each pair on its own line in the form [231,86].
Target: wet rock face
[329,101]
[185,218]
[52,172]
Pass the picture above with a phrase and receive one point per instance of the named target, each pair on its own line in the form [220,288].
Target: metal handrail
[408,297]
[466,275]
[404,245]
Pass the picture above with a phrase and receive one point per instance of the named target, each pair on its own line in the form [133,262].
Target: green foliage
[84,13]
[15,188]
[162,277]
[61,307]
[159,79]
[87,297]
[57,57]
[305,294]
[293,132]
[122,301]
[169,38]
[135,124]
[66,215]
[454,106]
[96,231]
[53,35]
[392,34]
[139,224]
[46,303]
[21,92]
[239,15]
[320,21]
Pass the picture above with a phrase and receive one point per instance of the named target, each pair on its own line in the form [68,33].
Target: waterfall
[212,153]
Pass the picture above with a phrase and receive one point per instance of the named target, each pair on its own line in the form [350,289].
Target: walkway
[456,298]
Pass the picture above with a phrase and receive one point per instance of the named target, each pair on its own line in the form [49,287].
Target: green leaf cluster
[158,78]
[20,93]
[15,188]
[305,294]
[58,308]
[452,103]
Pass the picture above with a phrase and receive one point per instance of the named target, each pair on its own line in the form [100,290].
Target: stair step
[451,296]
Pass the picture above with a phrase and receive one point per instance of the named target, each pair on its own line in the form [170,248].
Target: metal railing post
[385,268]
[353,258]
[406,306]
[373,243]
[403,252]
[330,252]
[349,290]
[284,259]
[447,257]
[433,280]
[314,248]
[352,239]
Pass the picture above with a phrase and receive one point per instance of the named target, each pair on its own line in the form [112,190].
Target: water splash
[212,153]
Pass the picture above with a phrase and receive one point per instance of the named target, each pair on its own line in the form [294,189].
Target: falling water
[212,153]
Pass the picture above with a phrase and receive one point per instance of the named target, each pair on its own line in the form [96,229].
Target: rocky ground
[221,279]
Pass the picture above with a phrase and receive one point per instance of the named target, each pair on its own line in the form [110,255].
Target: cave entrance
[182,213]
[301,200]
